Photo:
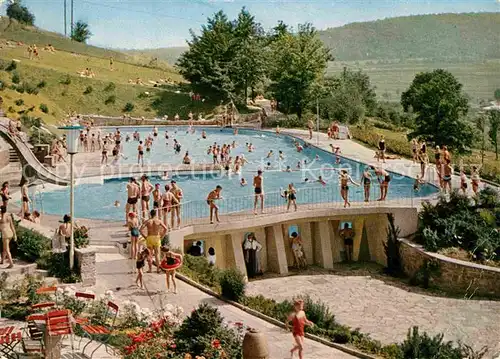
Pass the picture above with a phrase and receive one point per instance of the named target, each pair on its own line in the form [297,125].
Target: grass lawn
[480,80]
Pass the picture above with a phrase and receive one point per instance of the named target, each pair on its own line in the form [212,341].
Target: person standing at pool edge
[133,196]
[140,154]
[212,196]
[155,232]
[258,184]
[146,189]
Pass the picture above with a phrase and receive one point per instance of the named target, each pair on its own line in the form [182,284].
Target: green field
[480,80]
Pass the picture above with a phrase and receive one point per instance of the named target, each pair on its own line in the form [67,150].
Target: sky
[164,23]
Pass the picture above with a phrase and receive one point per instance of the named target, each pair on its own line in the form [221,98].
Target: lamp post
[72,134]
[317,121]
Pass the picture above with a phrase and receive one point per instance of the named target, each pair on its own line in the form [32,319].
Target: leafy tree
[494,121]
[298,64]
[439,104]
[81,32]
[481,128]
[249,62]
[16,10]
[361,82]
[207,65]
[497,95]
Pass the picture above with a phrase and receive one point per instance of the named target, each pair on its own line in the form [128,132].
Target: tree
[439,104]
[298,64]
[494,121]
[481,128]
[81,32]
[16,10]
[207,64]
[497,95]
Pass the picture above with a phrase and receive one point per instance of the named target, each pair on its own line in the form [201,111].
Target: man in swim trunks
[310,126]
[140,153]
[212,196]
[383,178]
[132,197]
[258,184]
[447,173]
[155,232]
[146,189]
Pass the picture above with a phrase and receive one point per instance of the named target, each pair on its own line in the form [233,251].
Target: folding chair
[88,297]
[44,305]
[9,339]
[95,331]
[59,324]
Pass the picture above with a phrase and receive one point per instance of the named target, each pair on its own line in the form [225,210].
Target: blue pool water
[97,200]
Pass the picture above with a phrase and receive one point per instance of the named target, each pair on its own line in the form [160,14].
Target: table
[10,337]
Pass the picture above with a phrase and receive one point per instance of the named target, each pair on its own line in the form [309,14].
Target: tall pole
[317,121]
[71,213]
[65,20]
[71,18]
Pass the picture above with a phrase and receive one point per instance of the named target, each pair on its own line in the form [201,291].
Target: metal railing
[233,209]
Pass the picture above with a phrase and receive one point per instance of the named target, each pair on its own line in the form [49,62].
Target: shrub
[12,66]
[232,284]
[66,80]
[16,78]
[44,108]
[81,236]
[28,88]
[31,244]
[110,100]
[199,270]
[319,313]
[64,93]
[422,346]
[205,325]
[129,107]
[11,109]
[41,84]
[88,90]
[110,87]
[28,121]
[19,102]
[58,266]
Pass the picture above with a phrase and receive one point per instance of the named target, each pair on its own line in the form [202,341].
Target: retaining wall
[453,275]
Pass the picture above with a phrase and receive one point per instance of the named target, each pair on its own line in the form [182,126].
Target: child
[418,182]
[243,182]
[140,265]
[133,226]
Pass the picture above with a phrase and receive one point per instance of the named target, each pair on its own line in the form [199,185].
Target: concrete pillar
[337,242]
[235,252]
[322,244]
[376,230]
[307,241]
[276,256]
[357,227]
[287,244]
[86,259]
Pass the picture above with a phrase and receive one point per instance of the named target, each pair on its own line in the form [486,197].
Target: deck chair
[101,332]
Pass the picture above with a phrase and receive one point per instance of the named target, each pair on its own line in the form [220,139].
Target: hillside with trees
[464,37]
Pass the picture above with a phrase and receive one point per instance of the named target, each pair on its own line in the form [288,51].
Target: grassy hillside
[480,79]
[63,90]
[448,37]
[168,54]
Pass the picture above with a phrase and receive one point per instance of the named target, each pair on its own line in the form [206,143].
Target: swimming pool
[97,200]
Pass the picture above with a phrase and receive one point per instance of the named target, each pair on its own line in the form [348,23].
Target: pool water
[97,200]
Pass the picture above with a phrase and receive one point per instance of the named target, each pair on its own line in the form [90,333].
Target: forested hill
[473,36]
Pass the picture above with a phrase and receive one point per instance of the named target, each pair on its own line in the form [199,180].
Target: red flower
[173,346]
[216,343]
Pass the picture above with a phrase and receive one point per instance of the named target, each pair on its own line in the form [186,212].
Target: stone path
[386,312]
[112,274]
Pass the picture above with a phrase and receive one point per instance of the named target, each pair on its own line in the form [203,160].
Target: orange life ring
[175,265]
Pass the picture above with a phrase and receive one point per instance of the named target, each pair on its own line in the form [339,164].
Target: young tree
[81,32]
[494,122]
[299,61]
[16,10]
[481,128]
[439,105]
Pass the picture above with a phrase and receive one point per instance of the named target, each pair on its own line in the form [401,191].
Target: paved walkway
[112,274]
[386,312]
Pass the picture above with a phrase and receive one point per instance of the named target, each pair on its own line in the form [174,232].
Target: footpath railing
[233,209]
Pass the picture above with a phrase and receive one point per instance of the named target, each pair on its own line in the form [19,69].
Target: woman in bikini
[8,232]
[367,183]
[299,321]
[169,200]
[104,158]
[474,176]
[292,197]
[133,226]
[4,193]
[345,179]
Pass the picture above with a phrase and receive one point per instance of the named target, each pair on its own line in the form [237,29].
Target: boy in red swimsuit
[299,320]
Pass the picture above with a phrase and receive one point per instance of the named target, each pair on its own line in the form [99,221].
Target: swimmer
[321,180]
[243,182]
[277,130]
[165,175]
[316,158]
[299,166]
[269,154]
[117,204]
[268,166]
[233,145]
[306,180]
[281,156]
[288,169]
[417,183]
[203,134]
